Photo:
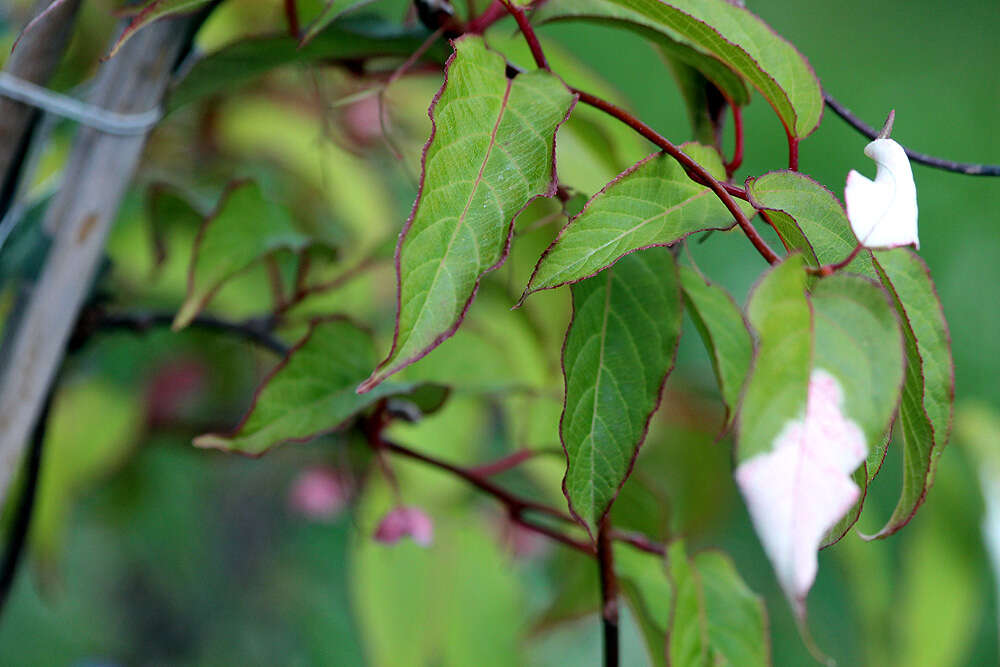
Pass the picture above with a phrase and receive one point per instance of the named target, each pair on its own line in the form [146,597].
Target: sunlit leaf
[311,392]
[717,619]
[653,203]
[245,227]
[724,332]
[925,413]
[739,39]
[619,349]
[490,154]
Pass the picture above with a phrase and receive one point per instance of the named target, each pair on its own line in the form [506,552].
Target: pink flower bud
[405,522]
[319,493]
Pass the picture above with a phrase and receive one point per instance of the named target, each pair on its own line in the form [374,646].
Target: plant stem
[694,170]
[491,15]
[292,16]
[21,523]
[737,160]
[529,34]
[793,151]
[254,331]
[830,269]
[967,168]
[609,593]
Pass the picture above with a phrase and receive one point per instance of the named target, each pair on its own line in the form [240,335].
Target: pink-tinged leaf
[403,522]
[796,492]
[320,493]
[490,154]
[883,212]
[151,11]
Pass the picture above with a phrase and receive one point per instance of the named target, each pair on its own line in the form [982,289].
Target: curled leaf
[883,212]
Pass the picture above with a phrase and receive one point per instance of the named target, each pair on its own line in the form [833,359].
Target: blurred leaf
[312,392]
[471,194]
[92,427]
[725,334]
[925,413]
[454,604]
[717,620]
[619,350]
[644,583]
[747,45]
[653,203]
[244,227]
[703,100]
[240,63]
[809,218]
[151,11]
[333,10]
[167,207]
[672,44]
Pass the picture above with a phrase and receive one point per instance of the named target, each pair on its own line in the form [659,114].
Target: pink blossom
[405,522]
[320,493]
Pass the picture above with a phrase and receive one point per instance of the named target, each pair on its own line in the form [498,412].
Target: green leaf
[645,586]
[858,340]
[151,11]
[704,102]
[743,42]
[717,620]
[311,392]
[725,334]
[925,413]
[238,64]
[654,203]
[244,228]
[809,218]
[776,390]
[673,44]
[333,10]
[491,153]
[619,350]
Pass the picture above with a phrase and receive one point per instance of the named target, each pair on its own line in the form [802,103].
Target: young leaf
[619,350]
[925,413]
[151,11]
[740,40]
[724,332]
[717,620]
[672,44]
[311,392]
[491,152]
[808,217]
[653,203]
[240,63]
[645,586]
[243,229]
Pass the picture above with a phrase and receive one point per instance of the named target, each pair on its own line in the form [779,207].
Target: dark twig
[609,593]
[292,16]
[21,523]
[254,331]
[639,541]
[867,130]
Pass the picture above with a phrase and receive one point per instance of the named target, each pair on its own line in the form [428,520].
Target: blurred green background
[148,551]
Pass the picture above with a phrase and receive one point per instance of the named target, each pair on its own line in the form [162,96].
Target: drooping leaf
[491,153]
[151,11]
[244,227]
[717,620]
[925,413]
[311,392]
[673,44]
[775,392]
[809,218]
[167,207]
[333,10]
[739,39]
[858,340]
[653,203]
[619,349]
[645,586]
[724,332]
[240,63]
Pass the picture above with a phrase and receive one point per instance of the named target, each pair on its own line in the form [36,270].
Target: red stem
[504,464]
[292,15]
[830,269]
[529,34]
[609,593]
[737,160]
[793,151]
[493,13]
[694,170]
